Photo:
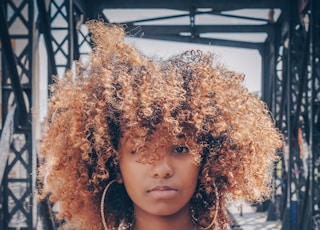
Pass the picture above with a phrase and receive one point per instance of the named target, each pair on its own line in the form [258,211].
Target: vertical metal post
[16,188]
[314,194]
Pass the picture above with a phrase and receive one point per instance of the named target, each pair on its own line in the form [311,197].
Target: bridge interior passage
[286,35]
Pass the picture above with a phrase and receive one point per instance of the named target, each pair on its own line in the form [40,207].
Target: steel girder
[18,184]
[61,25]
[93,9]
[314,116]
[295,102]
[18,207]
[66,39]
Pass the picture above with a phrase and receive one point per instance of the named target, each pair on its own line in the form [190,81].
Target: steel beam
[17,201]
[61,25]
[314,177]
[45,27]
[199,29]
[207,41]
[12,64]
[219,5]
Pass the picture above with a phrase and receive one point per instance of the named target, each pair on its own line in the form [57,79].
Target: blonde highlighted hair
[119,90]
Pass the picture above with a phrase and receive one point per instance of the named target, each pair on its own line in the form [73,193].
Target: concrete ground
[250,219]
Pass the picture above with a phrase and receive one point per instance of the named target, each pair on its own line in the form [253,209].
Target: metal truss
[314,115]
[62,27]
[296,100]
[18,179]
[61,30]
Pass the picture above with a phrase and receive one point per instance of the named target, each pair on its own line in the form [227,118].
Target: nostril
[162,169]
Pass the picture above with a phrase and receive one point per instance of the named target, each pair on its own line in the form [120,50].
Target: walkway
[250,219]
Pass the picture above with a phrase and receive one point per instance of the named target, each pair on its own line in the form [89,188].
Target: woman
[134,143]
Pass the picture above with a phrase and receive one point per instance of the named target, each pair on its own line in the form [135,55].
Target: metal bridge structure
[290,77]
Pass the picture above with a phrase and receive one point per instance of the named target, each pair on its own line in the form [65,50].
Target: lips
[162,192]
[161,188]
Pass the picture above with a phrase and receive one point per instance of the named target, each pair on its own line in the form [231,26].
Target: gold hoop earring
[196,221]
[102,203]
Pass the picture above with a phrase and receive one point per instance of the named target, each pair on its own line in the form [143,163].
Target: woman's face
[165,187]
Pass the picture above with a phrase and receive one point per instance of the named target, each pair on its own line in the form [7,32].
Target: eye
[181,149]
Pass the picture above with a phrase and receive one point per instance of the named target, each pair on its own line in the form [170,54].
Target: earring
[195,219]
[102,203]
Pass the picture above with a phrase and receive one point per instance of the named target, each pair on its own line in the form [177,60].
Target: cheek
[191,175]
[133,179]
[131,172]
[128,178]
[195,175]
[124,169]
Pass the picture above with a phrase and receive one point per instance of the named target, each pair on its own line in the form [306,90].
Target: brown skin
[160,191]
[230,133]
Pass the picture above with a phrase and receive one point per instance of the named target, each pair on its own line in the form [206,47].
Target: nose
[162,168]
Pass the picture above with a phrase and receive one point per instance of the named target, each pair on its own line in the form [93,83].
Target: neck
[178,221]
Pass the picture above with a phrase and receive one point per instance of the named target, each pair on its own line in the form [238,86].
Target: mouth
[162,188]
[163,192]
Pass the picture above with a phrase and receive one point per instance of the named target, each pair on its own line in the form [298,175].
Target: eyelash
[133,152]
[181,149]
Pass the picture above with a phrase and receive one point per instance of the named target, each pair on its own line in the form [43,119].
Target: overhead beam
[199,29]
[206,41]
[186,4]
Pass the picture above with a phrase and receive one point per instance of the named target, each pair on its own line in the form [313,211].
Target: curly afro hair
[120,90]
